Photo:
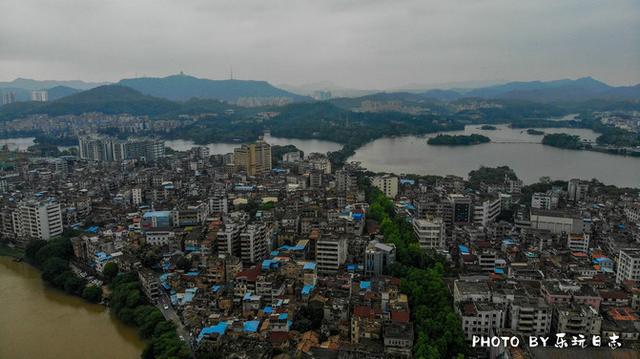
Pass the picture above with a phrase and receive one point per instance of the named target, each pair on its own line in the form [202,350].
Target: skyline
[324,42]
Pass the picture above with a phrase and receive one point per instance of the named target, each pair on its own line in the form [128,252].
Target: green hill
[184,87]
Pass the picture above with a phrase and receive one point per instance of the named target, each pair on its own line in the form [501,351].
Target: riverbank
[14,252]
[39,321]
[572,142]
[127,301]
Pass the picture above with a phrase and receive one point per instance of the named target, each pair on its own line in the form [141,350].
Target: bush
[110,271]
[92,293]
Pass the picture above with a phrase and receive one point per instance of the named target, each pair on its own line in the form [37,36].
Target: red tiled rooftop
[251,274]
[400,316]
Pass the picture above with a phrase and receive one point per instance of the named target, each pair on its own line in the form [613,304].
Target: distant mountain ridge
[22,87]
[195,95]
[108,99]
[32,85]
[59,92]
[183,87]
[566,90]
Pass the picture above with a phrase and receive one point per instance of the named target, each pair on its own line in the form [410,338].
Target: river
[41,322]
[512,147]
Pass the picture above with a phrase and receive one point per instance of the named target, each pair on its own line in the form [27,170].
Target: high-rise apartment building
[486,210]
[578,242]
[40,96]
[628,266]
[460,209]
[98,148]
[530,316]
[378,257]
[228,236]
[8,97]
[387,184]
[544,200]
[331,253]
[430,232]
[253,243]
[577,189]
[40,220]
[254,158]
[345,181]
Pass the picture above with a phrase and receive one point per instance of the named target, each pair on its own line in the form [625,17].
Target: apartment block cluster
[256,255]
[87,123]
[565,262]
[103,148]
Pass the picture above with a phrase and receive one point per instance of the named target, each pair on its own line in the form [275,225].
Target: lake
[411,154]
[512,147]
[307,146]
[42,322]
[23,143]
[17,143]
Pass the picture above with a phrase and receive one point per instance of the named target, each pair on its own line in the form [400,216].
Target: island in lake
[563,140]
[488,127]
[458,140]
[534,132]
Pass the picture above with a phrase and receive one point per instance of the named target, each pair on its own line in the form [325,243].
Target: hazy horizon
[357,44]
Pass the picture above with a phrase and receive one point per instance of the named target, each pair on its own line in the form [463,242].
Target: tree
[110,271]
[183,263]
[53,267]
[149,323]
[164,327]
[60,248]
[151,258]
[92,293]
[32,248]
[73,284]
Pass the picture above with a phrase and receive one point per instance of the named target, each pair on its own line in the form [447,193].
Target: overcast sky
[357,43]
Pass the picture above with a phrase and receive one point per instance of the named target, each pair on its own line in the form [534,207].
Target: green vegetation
[266,206]
[110,271]
[128,303]
[183,263]
[529,190]
[221,128]
[563,140]
[490,175]
[458,140]
[184,87]
[278,151]
[618,137]
[325,121]
[535,132]
[92,294]
[45,150]
[539,123]
[488,128]
[56,140]
[309,317]
[437,327]
[127,300]
[6,251]
[52,258]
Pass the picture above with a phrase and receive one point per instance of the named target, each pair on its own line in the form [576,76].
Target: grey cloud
[357,43]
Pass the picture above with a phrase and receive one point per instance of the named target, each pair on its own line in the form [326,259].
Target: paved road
[170,314]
